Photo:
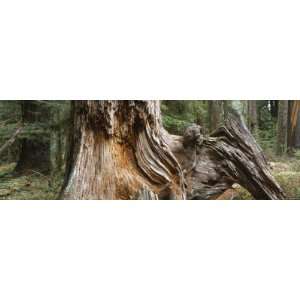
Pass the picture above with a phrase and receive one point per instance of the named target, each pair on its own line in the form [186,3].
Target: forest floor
[36,186]
[33,186]
[287,174]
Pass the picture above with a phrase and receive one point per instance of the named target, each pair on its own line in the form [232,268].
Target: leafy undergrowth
[32,186]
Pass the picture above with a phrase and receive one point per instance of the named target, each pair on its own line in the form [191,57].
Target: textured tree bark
[297,132]
[230,155]
[35,153]
[118,151]
[282,127]
[294,124]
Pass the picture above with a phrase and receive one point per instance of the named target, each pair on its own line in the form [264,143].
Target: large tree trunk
[230,155]
[35,151]
[282,127]
[118,151]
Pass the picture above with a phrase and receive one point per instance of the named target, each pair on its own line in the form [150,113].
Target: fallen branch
[229,155]
[11,140]
[3,123]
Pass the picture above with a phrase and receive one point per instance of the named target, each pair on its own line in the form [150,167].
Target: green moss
[290,183]
[29,187]
[243,194]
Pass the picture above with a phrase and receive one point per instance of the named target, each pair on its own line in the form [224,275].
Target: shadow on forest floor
[36,186]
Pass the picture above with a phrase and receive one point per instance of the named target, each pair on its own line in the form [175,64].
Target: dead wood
[230,155]
[11,140]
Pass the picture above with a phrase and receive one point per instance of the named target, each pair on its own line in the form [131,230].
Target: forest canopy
[234,149]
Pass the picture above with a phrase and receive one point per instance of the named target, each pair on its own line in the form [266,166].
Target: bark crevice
[229,155]
[120,150]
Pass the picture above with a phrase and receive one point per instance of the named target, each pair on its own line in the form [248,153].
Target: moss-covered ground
[36,186]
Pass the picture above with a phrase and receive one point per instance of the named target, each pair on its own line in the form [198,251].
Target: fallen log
[211,165]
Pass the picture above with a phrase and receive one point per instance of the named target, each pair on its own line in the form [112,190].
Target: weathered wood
[118,149]
[145,194]
[230,155]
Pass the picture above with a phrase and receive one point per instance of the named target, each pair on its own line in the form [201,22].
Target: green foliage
[177,115]
[174,125]
[266,138]
[243,194]
[267,129]
[58,117]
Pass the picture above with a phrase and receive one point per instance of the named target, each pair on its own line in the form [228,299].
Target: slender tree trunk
[282,127]
[56,142]
[274,108]
[118,151]
[227,104]
[252,116]
[215,114]
[35,152]
[297,131]
[294,124]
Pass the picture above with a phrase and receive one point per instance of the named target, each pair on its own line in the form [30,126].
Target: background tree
[252,116]
[60,126]
[34,148]
[215,114]
[274,104]
[294,125]
[227,104]
[282,127]
[10,122]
